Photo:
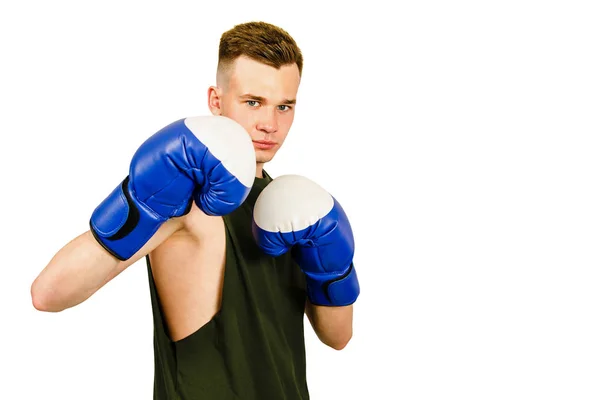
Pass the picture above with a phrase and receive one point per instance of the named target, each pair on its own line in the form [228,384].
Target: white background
[462,138]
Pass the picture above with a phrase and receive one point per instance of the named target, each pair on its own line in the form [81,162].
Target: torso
[191,292]
[228,319]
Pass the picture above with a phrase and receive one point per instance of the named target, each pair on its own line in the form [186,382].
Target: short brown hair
[259,41]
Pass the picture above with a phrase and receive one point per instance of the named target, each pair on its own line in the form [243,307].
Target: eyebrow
[261,99]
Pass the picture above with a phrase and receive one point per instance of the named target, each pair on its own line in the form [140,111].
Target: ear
[214,100]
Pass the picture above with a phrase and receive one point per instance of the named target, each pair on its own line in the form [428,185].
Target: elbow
[41,298]
[37,298]
[339,343]
[338,346]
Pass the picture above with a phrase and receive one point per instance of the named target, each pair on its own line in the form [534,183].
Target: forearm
[333,325]
[77,271]
[83,266]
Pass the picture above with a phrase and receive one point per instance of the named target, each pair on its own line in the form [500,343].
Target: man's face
[262,99]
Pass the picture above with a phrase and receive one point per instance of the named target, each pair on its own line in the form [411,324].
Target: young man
[228,299]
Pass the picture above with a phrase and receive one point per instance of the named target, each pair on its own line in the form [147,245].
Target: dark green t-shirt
[253,348]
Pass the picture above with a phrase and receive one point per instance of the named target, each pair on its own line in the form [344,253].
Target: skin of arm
[82,267]
[333,325]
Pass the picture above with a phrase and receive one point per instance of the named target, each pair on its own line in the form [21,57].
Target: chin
[264,156]
[263,160]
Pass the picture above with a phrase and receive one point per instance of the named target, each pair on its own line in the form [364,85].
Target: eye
[252,103]
[284,108]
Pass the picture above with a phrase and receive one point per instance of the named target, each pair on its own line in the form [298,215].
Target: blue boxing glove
[207,159]
[294,213]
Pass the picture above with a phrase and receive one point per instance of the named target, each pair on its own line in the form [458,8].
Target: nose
[267,121]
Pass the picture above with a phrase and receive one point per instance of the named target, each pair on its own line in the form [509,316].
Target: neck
[259,170]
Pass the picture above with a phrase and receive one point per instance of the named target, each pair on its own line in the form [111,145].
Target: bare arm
[82,267]
[333,325]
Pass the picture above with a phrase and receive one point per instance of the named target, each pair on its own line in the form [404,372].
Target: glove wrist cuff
[122,225]
[333,289]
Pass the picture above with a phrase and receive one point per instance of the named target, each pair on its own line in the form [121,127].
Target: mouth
[263,144]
